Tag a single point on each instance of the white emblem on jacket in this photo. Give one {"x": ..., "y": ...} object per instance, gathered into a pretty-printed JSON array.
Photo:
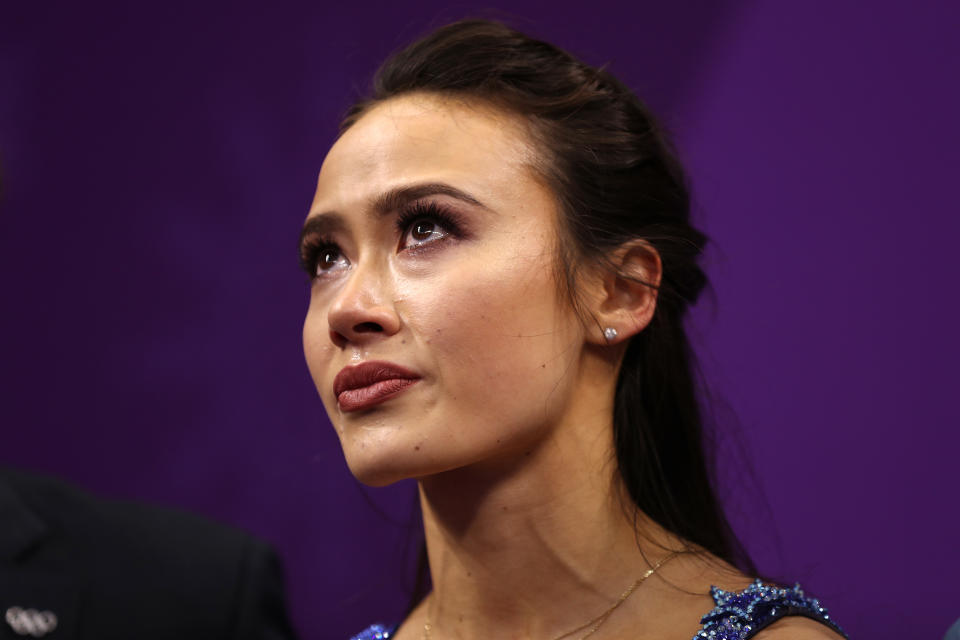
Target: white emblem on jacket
[{"x": 30, "y": 622}]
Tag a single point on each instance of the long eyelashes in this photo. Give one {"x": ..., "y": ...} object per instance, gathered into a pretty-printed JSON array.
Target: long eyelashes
[
  {"x": 321, "y": 248},
  {"x": 428, "y": 211},
  {"x": 311, "y": 250}
]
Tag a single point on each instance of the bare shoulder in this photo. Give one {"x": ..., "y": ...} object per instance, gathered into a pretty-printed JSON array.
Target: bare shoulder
[
  {"x": 798, "y": 628},
  {"x": 412, "y": 626}
]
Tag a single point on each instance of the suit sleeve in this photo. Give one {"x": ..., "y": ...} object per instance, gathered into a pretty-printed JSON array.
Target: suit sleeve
[{"x": 259, "y": 606}]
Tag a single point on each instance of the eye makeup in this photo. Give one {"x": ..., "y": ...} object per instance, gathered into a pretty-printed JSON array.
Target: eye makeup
[
  {"x": 430, "y": 211},
  {"x": 316, "y": 245},
  {"x": 312, "y": 248}
]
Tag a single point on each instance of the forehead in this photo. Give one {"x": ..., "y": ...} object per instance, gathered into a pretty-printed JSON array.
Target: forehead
[{"x": 426, "y": 138}]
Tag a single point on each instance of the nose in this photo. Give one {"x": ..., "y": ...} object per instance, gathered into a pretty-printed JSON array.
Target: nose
[{"x": 363, "y": 309}]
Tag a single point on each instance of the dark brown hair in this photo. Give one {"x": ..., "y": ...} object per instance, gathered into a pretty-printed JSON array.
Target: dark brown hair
[{"x": 617, "y": 180}]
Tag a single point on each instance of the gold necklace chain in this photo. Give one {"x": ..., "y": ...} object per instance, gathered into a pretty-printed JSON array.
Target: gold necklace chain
[{"x": 594, "y": 623}]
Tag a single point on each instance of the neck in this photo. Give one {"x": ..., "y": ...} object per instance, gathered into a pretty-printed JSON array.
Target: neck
[{"x": 533, "y": 545}]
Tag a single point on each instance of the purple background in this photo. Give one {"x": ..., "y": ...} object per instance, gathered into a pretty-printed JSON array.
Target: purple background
[{"x": 158, "y": 160}]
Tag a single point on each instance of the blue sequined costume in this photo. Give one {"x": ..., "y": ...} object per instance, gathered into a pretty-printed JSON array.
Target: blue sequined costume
[
  {"x": 738, "y": 615},
  {"x": 741, "y": 614}
]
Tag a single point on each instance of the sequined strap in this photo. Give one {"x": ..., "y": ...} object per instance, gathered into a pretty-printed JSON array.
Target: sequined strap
[
  {"x": 375, "y": 632},
  {"x": 741, "y": 614}
]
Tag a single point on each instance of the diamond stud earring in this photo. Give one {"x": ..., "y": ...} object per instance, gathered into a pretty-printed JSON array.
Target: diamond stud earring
[{"x": 610, "y": 334}]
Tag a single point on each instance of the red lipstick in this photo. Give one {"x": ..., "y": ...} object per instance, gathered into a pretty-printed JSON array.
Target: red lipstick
[{"x": 370, "y": 383}]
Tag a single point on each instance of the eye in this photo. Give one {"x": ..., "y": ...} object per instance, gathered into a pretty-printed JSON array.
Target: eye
[
  {"x": 423, "y": 231},
  {"x": 330, "y": 259},
  {"x": 425, "y": 223},
  {"x": 321, "y": 258}
]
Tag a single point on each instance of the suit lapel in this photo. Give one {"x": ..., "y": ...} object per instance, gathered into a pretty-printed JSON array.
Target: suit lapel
[
  {"x": 34, "y": 603},
  {"x": 20, "y": 528}
]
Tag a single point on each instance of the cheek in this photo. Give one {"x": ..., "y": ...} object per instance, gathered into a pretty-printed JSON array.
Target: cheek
[
  {"x": 317, "y": 349},
  {"x": 501, "y": 344}
]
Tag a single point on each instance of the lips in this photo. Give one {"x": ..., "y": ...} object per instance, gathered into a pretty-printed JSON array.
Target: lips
[{"x": 370, "y": 383}]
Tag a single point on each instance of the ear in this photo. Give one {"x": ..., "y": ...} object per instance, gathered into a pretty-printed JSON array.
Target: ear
[{"x": 627, "y": 295}]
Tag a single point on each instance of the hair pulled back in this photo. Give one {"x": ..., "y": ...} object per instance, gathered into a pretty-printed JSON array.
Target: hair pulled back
[{"x": 616, "y": 180}]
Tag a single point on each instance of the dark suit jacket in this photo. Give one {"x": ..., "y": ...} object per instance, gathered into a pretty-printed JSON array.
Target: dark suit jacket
[{"x": 110, "y": 569}]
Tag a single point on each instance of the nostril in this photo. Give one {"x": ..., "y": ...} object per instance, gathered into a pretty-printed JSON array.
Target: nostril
[
  {"x": 367, "y": 327},
  {"x": 338, "y": 339}
]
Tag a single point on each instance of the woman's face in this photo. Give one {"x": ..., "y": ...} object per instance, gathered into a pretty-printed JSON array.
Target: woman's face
[{"x": 435, "y": 334}]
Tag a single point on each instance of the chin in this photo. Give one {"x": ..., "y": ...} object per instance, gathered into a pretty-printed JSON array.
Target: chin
[
  {"x": 380, "y": 461},
  {"x": 375, "y": 473}
]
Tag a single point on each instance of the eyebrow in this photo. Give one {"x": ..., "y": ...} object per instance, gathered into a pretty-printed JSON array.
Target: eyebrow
[
  {"x": 401, "y": 196},
  {"x": 385, "y": 203}
]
